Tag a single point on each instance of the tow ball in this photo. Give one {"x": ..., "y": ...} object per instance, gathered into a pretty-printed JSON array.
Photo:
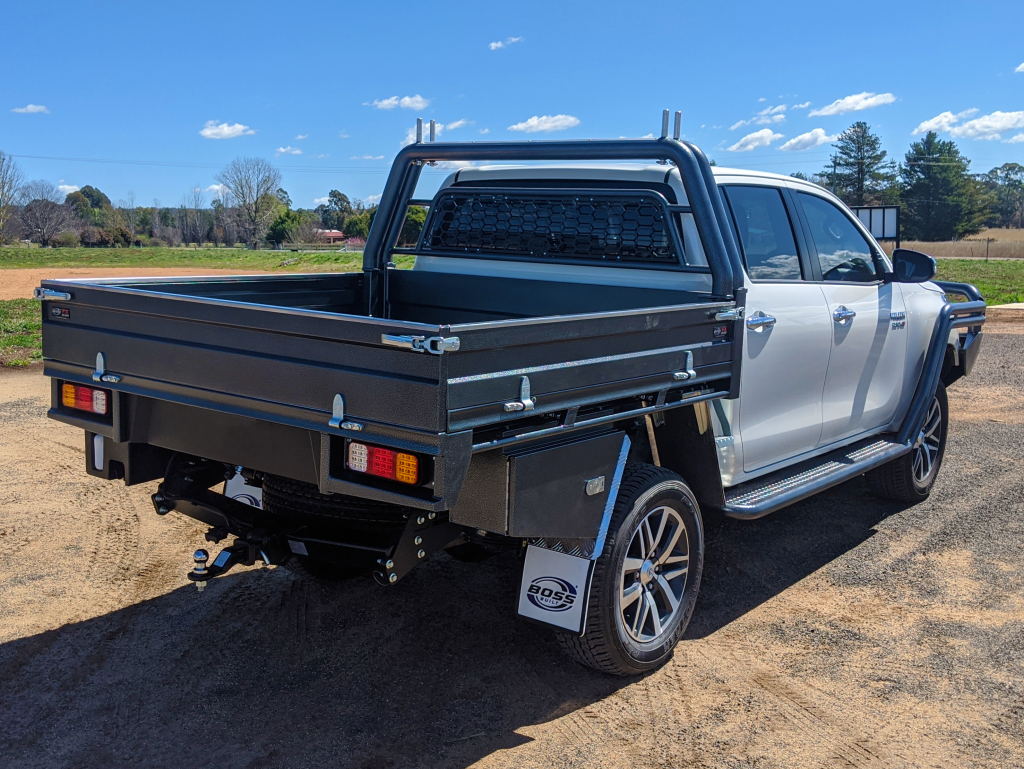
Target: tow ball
[{"x": 241, "y": 552}]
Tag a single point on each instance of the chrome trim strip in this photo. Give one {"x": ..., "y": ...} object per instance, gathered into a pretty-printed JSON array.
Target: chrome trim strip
[
  {"x": 609, "y": 505},
  {"x": 483, "y": 326},
  {"x": 574, "y": 363}
]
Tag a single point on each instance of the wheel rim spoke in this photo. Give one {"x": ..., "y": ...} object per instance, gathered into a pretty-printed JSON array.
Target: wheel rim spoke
[
  {"x": 641, "y": 616},
  {"x": 629, "y": 596},
  {"x": 666, "y": 592},
  {"x": 631, "y": 565},
  {"x": 675, "y": 574},
  {"x": 655, "y": 616},
  {"x": 666, "y": 552}
]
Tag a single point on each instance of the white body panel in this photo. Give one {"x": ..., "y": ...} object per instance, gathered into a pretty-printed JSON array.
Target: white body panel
[
  {"x": 782, "y": 373},
  {"x": 865, "y": 369}
]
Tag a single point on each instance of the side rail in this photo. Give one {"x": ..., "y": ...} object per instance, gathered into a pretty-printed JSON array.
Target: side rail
[{"x": 970, "y": 315}]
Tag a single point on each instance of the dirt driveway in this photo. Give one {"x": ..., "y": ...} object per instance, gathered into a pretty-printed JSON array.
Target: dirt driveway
[
  {"x": 18, "y": 284},
  {"x": 842, "y": 632}
]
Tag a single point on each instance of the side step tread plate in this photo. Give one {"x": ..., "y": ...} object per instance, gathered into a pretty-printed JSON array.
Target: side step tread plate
[{"x": 791, "y": 484}]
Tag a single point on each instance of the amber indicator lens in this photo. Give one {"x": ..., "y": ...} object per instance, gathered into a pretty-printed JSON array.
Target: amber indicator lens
[
  {"x": 383, "y": 463},
  {"x": 84, "y": 398}
]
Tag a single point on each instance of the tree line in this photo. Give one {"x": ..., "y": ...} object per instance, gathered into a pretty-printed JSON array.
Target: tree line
[
  {"x": 251, "y": 209},
  {"x": 941, "y": 198}
]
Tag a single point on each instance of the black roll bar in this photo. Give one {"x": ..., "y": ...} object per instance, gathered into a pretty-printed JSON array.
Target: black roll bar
[{"x": 698, "y": 180}]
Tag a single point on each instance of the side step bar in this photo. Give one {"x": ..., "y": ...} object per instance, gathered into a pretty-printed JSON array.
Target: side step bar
[{"x": 792, "y": 484}]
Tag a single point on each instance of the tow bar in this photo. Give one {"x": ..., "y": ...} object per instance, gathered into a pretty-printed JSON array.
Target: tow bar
[{"x": 242, "y": 552}]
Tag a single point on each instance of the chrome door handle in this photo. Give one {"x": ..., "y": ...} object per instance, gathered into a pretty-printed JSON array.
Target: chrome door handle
[
  {"x": 759, "y": 321},
  {"x": 841, "y": 314}
]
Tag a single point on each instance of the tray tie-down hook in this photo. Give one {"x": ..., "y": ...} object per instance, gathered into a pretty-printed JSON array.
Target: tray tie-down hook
[{"x": 525, "y": 402}]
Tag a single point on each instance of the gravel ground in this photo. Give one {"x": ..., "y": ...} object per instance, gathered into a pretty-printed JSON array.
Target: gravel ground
[{"x": 841, "y": 632}]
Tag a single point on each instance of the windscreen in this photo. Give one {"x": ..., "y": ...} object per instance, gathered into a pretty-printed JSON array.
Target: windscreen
[{"x": 546, "y": 225}]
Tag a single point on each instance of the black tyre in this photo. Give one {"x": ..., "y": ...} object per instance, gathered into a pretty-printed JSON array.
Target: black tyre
[
  {"x": 645, "y": 582},
  {"x": 910, "y": 477}
]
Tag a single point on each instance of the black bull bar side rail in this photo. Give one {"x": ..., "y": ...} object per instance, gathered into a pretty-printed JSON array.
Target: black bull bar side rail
[{"x": 698, "y": 180}]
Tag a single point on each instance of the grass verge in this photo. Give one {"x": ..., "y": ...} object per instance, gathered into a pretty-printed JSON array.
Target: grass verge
[
  {"x": 21, "y": 332},
  {"x": 213, "y": 258},
  {"x": 999, "y": 282}
]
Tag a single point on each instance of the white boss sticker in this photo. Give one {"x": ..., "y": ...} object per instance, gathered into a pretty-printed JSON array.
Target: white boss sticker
[
  {"x": 240, "y": 490},
  {"x": 554, "y": 588}
]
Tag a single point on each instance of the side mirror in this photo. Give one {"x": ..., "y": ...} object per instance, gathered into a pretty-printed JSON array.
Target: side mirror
[{"x": 913, "y": 266}]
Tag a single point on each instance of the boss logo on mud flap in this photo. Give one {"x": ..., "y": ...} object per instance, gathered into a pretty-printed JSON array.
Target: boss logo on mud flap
[
  {"x": 551, "y": 594},
  {"x": 899, "y": 319},
  {"x": 60, "y": 312}
]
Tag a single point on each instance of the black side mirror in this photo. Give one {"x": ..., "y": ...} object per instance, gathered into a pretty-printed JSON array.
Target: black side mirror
[{"x": 913, "y": 266}]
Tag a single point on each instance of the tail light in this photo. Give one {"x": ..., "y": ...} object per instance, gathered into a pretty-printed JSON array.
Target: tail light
[
  {"x": 84, "y": 398},
  {"x": 383, "y": 463}
]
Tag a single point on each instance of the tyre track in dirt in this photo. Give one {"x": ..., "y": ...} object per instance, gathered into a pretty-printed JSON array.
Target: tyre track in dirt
[{"x": 842, "y": 632}]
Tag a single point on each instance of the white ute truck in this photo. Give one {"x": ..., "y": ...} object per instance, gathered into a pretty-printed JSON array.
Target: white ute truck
[{"x": 593, "y": 346}]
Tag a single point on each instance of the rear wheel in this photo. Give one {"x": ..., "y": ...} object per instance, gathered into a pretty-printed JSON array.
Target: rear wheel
[
  {"x": 910, "y": 477},
  {"x": 645, "y": 583}
]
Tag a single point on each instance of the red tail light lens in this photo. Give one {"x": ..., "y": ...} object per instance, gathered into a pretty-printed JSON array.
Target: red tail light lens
[
  {"x": 383, "y": 463},
  {"x": 85, "y": 398}
]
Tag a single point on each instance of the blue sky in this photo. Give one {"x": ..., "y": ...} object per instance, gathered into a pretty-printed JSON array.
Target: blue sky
[{"x": 313, "y": 86}]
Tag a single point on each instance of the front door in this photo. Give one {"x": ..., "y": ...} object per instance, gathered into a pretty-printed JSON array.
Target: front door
[
  {"x": 787, "y": 336},
  {"x": 865, "y": 369}
]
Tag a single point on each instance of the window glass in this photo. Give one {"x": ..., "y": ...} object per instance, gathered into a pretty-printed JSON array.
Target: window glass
[
  {"x": 765, "y": 234},
  {"x": 844, "y": 254}
]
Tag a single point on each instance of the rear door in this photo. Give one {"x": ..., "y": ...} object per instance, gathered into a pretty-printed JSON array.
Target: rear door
[
  {"x": 865, "y": 370},
  {"x": 787, "y": 337}
]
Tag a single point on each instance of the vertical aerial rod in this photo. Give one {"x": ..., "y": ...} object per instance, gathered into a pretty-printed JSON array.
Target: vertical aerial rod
[
  {"x": 419, "y": 130},
  {"x": 679, "y": 124},
  {"x": 433, "y": 128},
  {"x": 664, "y": 124}
]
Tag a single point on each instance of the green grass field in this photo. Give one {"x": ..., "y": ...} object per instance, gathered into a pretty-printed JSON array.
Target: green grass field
[
  {"x": 1000, "y": 282},
  {"x": 222, "y": 258}
]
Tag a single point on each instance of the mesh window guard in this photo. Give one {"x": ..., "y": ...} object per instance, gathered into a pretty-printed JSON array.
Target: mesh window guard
[{"x": 560, "y": 226}]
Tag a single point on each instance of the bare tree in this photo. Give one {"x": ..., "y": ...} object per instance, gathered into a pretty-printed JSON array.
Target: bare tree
[
  {"x": 129, "y": 212},
  {"x": 44, "y": 214},
  {"x": 306, "y": 231},
  {"x": 252, "y": 183},
  {"x": 192, "y": 216},
  {"x": 10, "y": 183}
]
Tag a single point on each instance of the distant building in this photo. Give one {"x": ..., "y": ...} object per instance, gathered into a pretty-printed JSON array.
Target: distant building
[{"x": 331, "y": 236}]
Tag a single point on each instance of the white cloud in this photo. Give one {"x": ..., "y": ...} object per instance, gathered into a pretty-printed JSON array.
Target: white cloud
[
  {"x": 485, "y": 130},
  {"x": 767, "y": 116},
  {"x": 761, "y": 138},
  {"x": 989, "y": 127},
  {"x": 809, "y": 140},
  {"x": 1020, "y": 68},
  {"x": 215, "y": 130},
  {"x": 1018, "y": 139},
  {"x": 372, "y": 200},
  {"x": 546, "y": 124},
  {"x": 318, "y": 157},
  {"x": 805, "y": 105},
  {"x": 416, "y": 102},
  {"x": 343, "y": 134},
  {"x": 321, "y": 201},
  {"x": 942, "y": 122},
  {"x": 32, "y": 109},
  {"x": 367, "y": 157},
  {"x": 289, "y": 150},
  {"x": 854, "y": 103},
  {"x": 67, "y": 189},
  {"x": 217, "y": 190},
  {"x": 505, "y": 43},
  {"x": 457, "y": 124},
  {"x": 300, "y": 137}
]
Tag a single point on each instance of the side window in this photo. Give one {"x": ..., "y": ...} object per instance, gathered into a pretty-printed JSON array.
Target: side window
[
  {"x": 765, "y": 233},
  {"x": 844, "y": 254}
]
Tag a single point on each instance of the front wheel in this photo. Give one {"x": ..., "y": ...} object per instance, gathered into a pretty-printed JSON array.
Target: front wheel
[
  {"x": 910, "y": 478},
  {"x": 646, "y": 580}
]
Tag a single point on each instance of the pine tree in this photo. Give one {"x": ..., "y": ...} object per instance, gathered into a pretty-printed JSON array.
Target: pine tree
[
  {"x": 942, "y": 201},
  {"x": 858, "y": 171}
]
